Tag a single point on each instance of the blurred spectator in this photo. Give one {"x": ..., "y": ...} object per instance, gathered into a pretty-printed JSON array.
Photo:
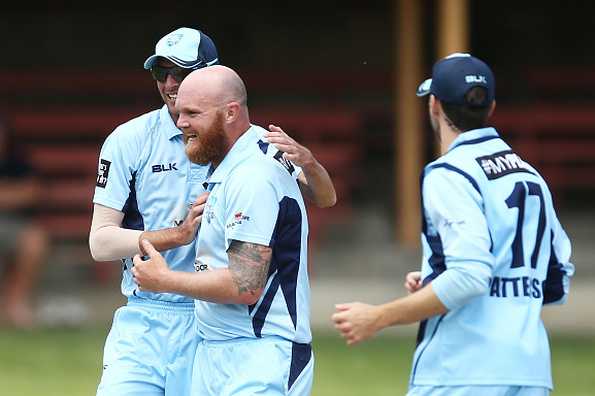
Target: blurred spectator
[{"x": 23, "y": 243}]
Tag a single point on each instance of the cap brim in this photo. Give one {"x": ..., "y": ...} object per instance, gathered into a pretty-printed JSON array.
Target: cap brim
[
  {"x": 153, "y": 58},
  {"x": 150, "y": 60},
  {"x": 178, "y": 62},
  {"x": 424, "y": 88}
]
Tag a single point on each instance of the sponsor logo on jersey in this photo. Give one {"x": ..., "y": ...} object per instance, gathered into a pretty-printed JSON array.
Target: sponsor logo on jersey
[
  {"x": 102, "y": 173},
  {"x": 199, "y": 267},
  {"x": 163, "y": 168},
  {"x": 283, "y": 161},
  {"x": 238, "y": 218},
  {"x": 452, "y": 223},
  {"x": 209, "y": 213},
  {"x": 502, "y": 164}
]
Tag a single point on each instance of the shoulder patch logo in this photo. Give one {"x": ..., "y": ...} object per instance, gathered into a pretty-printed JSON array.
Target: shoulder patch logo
[
  {"x": 501, "y": 164},
  {"x": 102, "y": 173},
  {"x": 286, "y": 163},
  {"x": 238, "y": 218}
]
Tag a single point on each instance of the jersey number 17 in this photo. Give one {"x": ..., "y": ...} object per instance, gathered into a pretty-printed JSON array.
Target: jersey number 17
[{"x": 517, "y": 199}]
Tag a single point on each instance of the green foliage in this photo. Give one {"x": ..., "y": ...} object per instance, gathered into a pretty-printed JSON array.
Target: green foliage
[{"x": 68, "y": 362}]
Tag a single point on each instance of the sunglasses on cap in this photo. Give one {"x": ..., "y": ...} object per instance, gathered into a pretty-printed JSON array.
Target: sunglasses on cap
[{"x": 178, "y": 73}]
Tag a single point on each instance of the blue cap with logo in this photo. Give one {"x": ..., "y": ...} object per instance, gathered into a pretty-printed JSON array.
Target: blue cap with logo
[
  {"x": 455, "y": 75},
  {"x": 187, "y": 48}
]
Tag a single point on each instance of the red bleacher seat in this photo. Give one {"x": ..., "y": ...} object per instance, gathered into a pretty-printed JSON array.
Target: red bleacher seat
[
  {"x": 74, "y": 159},
  {"x": 310, "y": 125},
  {"x": 69, "y": 168},
  {"x": 70, "y": 122},
  {"x": 71, "y": 226},
  {"x": 64, "y": 124},
  {"x": 558, "y": 140},
  {"x": 333, "y": 135}
]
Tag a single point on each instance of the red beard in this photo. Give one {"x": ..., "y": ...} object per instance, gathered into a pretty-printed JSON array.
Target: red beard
[{"x": 209, "y": 145}]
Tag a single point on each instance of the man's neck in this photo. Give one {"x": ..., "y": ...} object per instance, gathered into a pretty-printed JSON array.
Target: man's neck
[{"x": 447, "y": 136}]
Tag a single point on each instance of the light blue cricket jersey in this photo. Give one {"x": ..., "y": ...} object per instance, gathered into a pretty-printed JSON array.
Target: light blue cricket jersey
[
  {"x": 144, "y": 172},
  {"x": 255, "y": 198},
  {"x": 488, "y": 219}
]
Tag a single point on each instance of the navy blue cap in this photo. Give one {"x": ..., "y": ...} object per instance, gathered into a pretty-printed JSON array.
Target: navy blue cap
[
  {"x": 187, "y": 48},
  {"x": 455, "y": 75}
]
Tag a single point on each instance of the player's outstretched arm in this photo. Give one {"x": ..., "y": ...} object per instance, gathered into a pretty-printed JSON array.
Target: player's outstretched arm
[
  {"x": 241, "y": 283},
  {"x": 357, "y": 322},
  {"x": 315, "y": 182},
  {"x": 109, "y": 241}
]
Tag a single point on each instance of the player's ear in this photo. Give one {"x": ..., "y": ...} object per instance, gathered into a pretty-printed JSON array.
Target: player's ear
[
  {"x": 232, "y": 111},
  {"x": 492, "y": 108},
  {"x": 434, "y": 106}
]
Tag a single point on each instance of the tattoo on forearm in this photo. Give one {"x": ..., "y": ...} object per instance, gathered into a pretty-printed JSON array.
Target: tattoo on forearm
[{"x": 249, "y": 265}]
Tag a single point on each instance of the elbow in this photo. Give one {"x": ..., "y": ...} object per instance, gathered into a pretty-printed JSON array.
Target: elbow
[
  {"x": 483, "y": 289},
  {"x": 479, "y": 283},
  {"x": 249, "y": 298},
  {"x": 328, "y": 201},
  {"x": 458, "y": 286},
  {"x": 96, "y": 252}
]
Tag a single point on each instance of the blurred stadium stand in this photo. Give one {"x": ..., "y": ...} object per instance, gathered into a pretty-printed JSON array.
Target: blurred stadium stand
[
  {"x": 324, "y": 76},
  {"x": 559, "y": 140},
  {"x": 62, "y": 127},
  {"x": 64, "y": 120}
]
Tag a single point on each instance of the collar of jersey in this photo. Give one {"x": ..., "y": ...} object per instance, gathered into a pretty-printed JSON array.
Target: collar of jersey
[
  {"x": 240, "y": 150},
  {"x": 474, "y": 136},
  {"x": 167, "y": 124}
]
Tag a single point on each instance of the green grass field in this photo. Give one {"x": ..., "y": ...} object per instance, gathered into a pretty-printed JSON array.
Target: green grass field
[{"x": 68, "y": 361}]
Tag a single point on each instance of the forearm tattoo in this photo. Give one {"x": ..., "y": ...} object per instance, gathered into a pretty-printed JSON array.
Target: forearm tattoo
[{"x": 249, "y": 265}]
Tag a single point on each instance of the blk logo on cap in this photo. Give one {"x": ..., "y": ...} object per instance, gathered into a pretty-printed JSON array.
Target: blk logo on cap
[{"x": 475, "y": 79}]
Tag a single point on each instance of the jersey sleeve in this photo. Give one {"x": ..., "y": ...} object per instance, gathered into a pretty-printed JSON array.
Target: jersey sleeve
[
  {"x": 251, "y": 208},
  {"x": 277, "y": 155},
  {"x": 271, "y": 151},
  {"x": 118, "y": 162},
  {"x": 557, "y": 283},
  {"x": 296, "y": 172},
  {"x": 453, "y": 206}
]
